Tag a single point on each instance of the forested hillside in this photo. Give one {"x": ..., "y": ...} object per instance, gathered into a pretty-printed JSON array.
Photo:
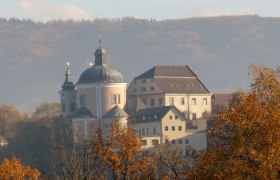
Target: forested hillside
[{"x": 219, "y": 50}]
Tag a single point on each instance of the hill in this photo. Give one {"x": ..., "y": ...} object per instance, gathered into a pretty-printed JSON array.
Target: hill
[{"x": 219, "y": 50}]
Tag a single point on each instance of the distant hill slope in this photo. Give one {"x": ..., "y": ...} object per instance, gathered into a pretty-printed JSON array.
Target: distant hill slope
[{"x": 219, "y": 50}]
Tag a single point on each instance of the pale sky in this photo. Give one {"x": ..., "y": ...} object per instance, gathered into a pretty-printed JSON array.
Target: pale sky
[{"x": 43, "y": 10}]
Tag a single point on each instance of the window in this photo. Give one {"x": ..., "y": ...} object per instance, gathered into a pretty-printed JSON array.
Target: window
[
  {"x": 166, "y": 128},
  {"x": 63, "y": 107},
  {"x": 204, "y": 101},
  {"x": 106, "y": 126},
  {"x": 139, "y": 131},
  {"x": 176, "y": 117},
  {"x": 155, "y": 130},
  {"x": 193, "y": 101},
  {"x": 143, "y": 89},
  {"x": 182, "y": 101},
  {"x": 143, "y": 81},
  {"x": 193, "y": 115},
  {"x": 82, "y": 100},
  {"x": 166, "y": 141},
  {"x": 116, "y": 99},
  {"x": 147, "y": 131},
  {"x": 171, "y": 101},
  {"x": 173, "y": 141},
  {"x": 72, "y": 107},
  {"x": 155, "y": 142},
  {"x": 152, "y": 102},
  {"x": 180, "y": 141},
  {"x": 152, "y": 88},
  {"x": 179, "y": 128},
  {"x": 135, "y": 82},
  {"x": 144, "y": 142},
  {"x": 186, "y": 141},
  {"x": 143, "y": 131},
  {"x": 135, "y": 90},
  {"x": 170, "y": 117},
  {"x": 160, "y": 101},
  {"x": 173, "y": 128},
  {"x": 144, "y": 100}
]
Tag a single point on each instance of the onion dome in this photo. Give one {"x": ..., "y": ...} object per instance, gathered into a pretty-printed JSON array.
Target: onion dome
[
  {"x": 100, "y": 72},
  {"x": 68, "y": 84}
]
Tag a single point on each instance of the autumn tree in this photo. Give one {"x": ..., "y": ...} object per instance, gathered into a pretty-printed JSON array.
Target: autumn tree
[
  {"x": 121, "y": 154},
  {"x": 172, "y": 164},
  {"x": 48, "y": 110},
  {"x": 246, "y": 136},
  {"x": 9, "y": 115},
  {"x": 13, "y": 169},
  {"x": 73, "y": 159}
]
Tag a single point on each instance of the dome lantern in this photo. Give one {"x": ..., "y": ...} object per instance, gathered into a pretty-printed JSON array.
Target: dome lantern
[
  {"x": 100, "y": 72},
  {"x": 100, "y": 55}
]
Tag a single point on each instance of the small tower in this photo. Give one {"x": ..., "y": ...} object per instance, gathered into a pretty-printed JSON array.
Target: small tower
[{"x": 67, "y": 95}]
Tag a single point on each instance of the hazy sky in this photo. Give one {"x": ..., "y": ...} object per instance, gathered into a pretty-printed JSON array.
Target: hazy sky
[{"x": 159, "y": 9}]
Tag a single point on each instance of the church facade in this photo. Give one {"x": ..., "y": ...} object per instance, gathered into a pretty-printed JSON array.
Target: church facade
[
  {"x": 98, "y": 97},
  {"x": 166, "y": 103}
]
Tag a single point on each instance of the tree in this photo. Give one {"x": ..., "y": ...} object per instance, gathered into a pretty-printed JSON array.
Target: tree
[
  {"x": 172, "y": 160},
  {"x": 121, "y": 153},
  {"x": 48, "y": 110},
  {"x": 9, "y": 115},
  {"x": 246, "y": 136},
  {"x": 73, "y": 159},
  {"x": 13, "y": 169}
]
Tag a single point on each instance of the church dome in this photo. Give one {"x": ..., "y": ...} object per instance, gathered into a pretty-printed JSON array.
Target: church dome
[{"x": 100, "y": 72}]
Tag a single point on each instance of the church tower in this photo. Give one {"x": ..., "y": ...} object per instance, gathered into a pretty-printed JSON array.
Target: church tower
[{"x": 67, "y": 95}]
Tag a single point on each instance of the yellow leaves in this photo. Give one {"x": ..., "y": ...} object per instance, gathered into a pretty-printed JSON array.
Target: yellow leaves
[
  {"x": 13, "y": 169},
  {"x": 121, "y": 152},
  {"x": 246, "y": 135}
]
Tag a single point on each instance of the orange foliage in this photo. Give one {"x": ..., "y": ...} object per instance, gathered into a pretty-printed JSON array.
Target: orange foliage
[
  {"x": 13, "y": 169},
  {"x": 121, "y": 152},
  {"x": 246, "y": 136}
]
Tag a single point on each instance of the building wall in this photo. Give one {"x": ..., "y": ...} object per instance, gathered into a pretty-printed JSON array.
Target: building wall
[
  {"x": 149, "y": 134},
  {"x": 188, "y": 108},
  {"x": 67, "y": 98},
  {"x": 99, "y": 96},
  {"x": 178, "y": 138},
  {"x": 83, "y": 128},
  {"x": 105, "y": 124}
]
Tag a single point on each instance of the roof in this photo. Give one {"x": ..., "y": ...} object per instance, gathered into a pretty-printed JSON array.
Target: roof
[
  {"x": 182, "y": 85},
  {"x": 101, "y": 73},
  {"x": 115, "y": 112},
  {"x": 153, "y": 114},
  {"x": 175, "y": 79},
  {"x": 167, "y": 71},
  {"x": 68, "y": 86},
  {"x": 83, "y": 112},
  {"x": 221, "y": 98}
]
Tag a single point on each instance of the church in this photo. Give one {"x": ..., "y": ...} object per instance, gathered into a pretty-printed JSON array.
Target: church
[
  {"x": 98, "y": 97},
  {"x": 165, "y": 103}
]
